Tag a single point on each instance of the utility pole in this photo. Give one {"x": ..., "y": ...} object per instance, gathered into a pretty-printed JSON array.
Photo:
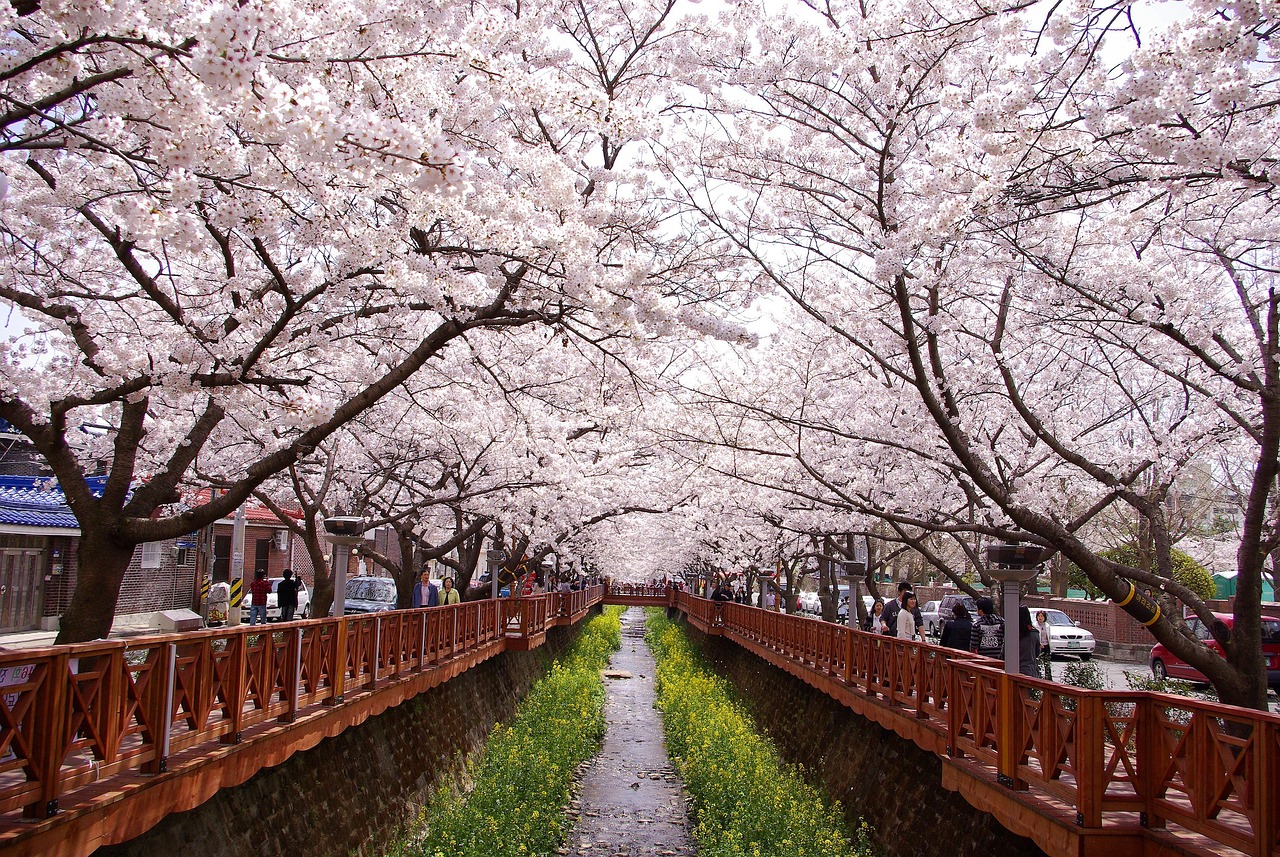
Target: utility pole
[{"x": 237, "y": 567}]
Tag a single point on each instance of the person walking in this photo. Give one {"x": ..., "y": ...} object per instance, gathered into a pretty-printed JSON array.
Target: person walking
[
  {"x": 425, "y": 593},
  {"x": 875, "y": 623},
  {"x": 259, "y": 589},
  {"x": 1028, "y": 644},
  {"x": 287, "y": 595},
  {"x": 449, "y": 595},
  {"x": 893, "y": 605},
  {"x": 906, "y": 622},
  {"x": 987, "y": 637},
  {"x": 958, "y": 630},
  {"x": 1046, "y": 651}
]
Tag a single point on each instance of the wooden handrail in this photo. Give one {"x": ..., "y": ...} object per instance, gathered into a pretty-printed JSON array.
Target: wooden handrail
[
  {"x": 79, "y": 714},
  {"x": 1213, "y": 769}
]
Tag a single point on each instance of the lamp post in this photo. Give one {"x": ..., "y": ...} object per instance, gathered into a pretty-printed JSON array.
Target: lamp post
[
  {"x": 495, "y": 558},
  {"x": 855, "y": 571},
  {"x": 1013, "y": 563},
  {"x": 342, "y": 533}
]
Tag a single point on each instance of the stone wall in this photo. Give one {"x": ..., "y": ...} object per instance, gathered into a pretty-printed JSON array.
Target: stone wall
[
  {"x": 889, "y": 782},
  {"x": 356, "y": 792}
]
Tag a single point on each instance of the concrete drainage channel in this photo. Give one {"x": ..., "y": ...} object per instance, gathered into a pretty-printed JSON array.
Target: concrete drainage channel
[{"x": 630, "y": 802}]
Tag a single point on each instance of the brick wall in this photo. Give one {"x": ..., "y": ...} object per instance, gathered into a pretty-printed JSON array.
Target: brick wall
[
  {"x": 146, "y": 590},
  {"x": 877, "y": 776},
  {"x": 356, "y": 792}
]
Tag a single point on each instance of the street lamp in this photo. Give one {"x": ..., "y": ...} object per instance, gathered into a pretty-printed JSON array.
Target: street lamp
[
  {"x": 342, "y": 534},
  {"x": 855, "y": 571},
  {"x": 1014, "y": 563}
]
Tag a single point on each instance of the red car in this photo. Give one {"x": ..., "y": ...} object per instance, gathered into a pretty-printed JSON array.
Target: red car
[{"x": 1165, "y": 664}]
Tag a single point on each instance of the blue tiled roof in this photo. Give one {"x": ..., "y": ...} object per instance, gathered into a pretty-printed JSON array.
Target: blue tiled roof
[{"x": 38, "y": 501}]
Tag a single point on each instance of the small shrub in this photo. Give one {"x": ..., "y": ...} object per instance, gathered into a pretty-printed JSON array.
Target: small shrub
[
  {"x": 523, "y": 780},
  {"x": 1085, "y": 675},
  {"x": 746, "y": 801}
]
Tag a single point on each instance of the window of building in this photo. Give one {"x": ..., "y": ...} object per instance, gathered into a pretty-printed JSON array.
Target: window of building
[{"x": 151, "y": 553}]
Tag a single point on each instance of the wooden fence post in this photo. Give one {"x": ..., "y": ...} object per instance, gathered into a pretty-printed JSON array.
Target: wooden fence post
[
  {"x": 1008, "y": 753},
  {"x": 293, "y": 675},
  {"x": 1149, "y": 753},
  {"x": 1265, "y": 783},
  {"x": 235, "y": 683},
  {"x": 49, "y": 741},
  {"x": 339, "y": 663},
  {"x": 159, "y": 706},
  {"x": 1089, "y": 749}
]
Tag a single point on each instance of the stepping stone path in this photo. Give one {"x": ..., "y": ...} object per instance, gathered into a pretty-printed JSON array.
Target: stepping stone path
[{"x": 630, "y": 803}]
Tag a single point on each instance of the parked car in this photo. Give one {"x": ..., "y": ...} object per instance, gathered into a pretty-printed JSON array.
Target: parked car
[
  {"x": 809, "y": 602},
  {"x": 370, "y": 595},
  {"x": 1065, "y": 636},
  {"x": 947, "y": 605},
  {"x": 273, "y": 606},
  {"x": 1165, "y": 664},
  {"x": 932, "y": 618}
]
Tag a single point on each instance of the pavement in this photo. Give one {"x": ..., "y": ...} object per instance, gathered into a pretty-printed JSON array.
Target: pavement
[
  {"x": 631, "y": 802},
  {"x": 1113, "y": 674},
  {"x": 124, "y": 625}
]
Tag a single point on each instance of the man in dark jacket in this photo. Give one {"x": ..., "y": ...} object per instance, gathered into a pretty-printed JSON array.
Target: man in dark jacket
[
  {"x": 987, "y": 637},
  {"x": 287, "y": 596},
  {"x": 892, "y": 607}
]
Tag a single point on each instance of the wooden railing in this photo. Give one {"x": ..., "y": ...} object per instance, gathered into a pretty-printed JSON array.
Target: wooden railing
[
  {"x": 80, "y": 714},
  {"x": 573, "y": 603},
  {"x": 1212, "y": 769},
  {"x": 638, "y": 590}
]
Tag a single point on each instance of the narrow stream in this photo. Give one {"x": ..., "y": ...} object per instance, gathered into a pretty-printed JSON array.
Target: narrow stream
[{"x": 631, "y": 803}]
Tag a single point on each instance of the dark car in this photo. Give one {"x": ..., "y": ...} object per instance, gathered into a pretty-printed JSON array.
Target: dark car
[
  {"x": 948, "y": 604},
  {"x": 1165, "y": 664},
  {"x": 370, "y": 595}
]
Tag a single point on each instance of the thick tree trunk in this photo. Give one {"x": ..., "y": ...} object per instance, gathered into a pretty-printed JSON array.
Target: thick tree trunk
[
  {"x": 322, "y": 582},
  {"x": 102, "y": 566},
  {"x": 469, "y": 553}
]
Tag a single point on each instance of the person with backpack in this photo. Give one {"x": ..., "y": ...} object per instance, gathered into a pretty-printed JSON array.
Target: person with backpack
[{"x": 988, "y": 632}]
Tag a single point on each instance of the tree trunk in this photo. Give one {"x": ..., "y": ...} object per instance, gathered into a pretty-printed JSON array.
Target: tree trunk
[
  {"x": 102, "y": 566},
  {"x": 322, "y": 582}
]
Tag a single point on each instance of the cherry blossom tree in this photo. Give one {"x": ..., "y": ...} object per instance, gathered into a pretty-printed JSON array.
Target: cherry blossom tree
[
  {"x": 232, "y": 228},
  {"x": 1047, "y": 242}
]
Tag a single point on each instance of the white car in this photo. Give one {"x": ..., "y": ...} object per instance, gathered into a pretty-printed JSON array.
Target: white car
[
  {"x": 1065, "y": 636},
  {"x": 273, "y": 604},
  {"x": 932, "y": 618},
  {"x": 809, "y": 602}
]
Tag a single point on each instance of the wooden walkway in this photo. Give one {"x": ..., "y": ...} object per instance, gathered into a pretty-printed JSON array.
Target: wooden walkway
[
  {"x": 100, "y": 741},
  {"x": 1081, "y": 773}
]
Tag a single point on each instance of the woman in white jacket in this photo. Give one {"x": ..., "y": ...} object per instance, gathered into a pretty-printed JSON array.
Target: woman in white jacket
[{"x": 907, "y": 619}]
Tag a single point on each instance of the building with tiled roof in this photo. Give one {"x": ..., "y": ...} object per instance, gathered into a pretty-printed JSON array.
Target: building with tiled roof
[
  {"x": 40, "y": 537},
  {"x": 36, "y": 505}
]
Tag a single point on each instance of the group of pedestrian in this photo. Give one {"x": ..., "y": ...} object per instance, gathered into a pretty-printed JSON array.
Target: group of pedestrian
[
  {"x": 286, "y": 596},
  {"x": 900, "y": 617},
  {"x": 984, "y": 635},
  {"x": 427, "y": 594}
]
